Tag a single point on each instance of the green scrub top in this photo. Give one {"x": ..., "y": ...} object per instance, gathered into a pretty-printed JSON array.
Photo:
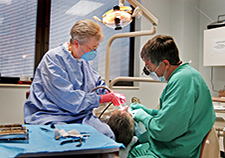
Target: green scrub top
[{"x": 185, "y": 116}]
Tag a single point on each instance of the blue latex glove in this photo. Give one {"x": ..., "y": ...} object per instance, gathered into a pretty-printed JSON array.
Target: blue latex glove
[
  {"x": 139, "y": 115},
  {"x": 135, "y": 106}
]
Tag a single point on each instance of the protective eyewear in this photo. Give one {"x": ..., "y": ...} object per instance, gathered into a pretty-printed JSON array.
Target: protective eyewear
[
  {"x": 95, "y": 48},
  {"x": 147, "y": 70}
]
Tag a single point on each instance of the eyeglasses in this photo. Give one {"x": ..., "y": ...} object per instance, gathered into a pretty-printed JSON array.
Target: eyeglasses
[
  {"x": 95, "y": 48},
  {"x": 149, "y": 69}
]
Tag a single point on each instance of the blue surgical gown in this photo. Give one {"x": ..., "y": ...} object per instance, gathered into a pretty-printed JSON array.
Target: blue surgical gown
[
  {"x": 185, "y": 116},
  {"x": 61, "y": 91}
]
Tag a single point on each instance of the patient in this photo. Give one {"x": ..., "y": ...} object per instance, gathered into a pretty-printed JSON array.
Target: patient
[{"x": 122, "y": 124}]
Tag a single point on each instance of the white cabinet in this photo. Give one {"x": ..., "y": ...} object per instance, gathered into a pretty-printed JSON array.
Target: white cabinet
[{"x": 214, "y": 47}]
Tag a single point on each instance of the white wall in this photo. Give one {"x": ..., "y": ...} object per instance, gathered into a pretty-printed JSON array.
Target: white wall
[
  {"x": 176, "y": 21},
  {"x": 211, "y": 8},
  {"x": 178, "y": 18},
  {"x": 185, "y": 23},
  {"x": 12, "y": 99}
]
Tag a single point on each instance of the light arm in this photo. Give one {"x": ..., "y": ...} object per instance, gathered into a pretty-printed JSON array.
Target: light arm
[{"x": 148, "y": 16}]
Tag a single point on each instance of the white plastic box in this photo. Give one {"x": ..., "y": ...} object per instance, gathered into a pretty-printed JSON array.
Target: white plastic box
[{"x": 214, "y": 47}]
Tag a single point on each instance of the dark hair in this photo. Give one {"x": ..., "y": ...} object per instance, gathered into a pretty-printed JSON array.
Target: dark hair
[
  {"x": 122, "y": 124},
  {"x": 159, "y": 48}
]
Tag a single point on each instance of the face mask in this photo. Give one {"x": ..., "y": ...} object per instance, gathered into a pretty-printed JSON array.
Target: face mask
[
  {"x": 89, "y": 55},
  {"x": 155, "y": 77},
  {"x": 162, "y": 79}
]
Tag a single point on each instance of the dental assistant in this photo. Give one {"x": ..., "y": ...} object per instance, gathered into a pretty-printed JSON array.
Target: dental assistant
[
  {"x": 186, "y": 112},
  {"x": 61, "y": 91}
]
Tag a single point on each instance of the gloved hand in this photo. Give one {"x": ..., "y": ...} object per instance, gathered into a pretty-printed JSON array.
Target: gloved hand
[
  {"x": 116, "y": 98},
  {"x": 134, "y": 106},
  {"x": 139, "y": 115}
]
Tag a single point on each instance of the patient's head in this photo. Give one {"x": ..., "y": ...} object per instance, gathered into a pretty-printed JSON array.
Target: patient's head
[{"x": 122, "y": 124}]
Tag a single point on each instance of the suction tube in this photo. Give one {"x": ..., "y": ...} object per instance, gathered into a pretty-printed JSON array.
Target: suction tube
[{"x": 108, "y": 104}]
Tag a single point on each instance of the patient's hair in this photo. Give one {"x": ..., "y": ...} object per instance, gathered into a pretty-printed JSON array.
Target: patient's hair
[{"x": 123, "y": 126}]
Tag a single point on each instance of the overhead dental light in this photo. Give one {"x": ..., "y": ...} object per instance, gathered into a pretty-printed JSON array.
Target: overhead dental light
[{"x": 118, "y": 17}]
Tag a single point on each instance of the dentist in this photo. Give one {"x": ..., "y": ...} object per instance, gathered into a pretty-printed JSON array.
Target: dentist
[
  {"x": 61, "y": 91},
  {"x": 186, "y": 112}
]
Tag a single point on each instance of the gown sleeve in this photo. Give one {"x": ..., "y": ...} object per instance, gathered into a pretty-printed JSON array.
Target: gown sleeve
[{"x": 68, "y": 86}]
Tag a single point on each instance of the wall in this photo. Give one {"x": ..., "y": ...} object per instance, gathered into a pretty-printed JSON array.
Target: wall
[
  {"x": 178, "y": 18},
  {"x": 212, "y": 8},
  {"x": 12, "y": 99},
  {"x": 185, "y": 23}
]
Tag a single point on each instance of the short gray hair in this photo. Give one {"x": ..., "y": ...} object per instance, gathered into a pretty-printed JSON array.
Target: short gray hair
[{"x": 85, "y": 29}]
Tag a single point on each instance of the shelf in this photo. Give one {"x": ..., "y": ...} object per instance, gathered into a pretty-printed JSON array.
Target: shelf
[{"x": 218, "y": 99}]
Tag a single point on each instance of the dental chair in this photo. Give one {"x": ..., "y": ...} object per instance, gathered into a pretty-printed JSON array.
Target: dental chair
[{"x": 210, "y": 146}]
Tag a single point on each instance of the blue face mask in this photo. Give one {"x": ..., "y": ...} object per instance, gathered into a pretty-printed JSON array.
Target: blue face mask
[
  {"x": 89, "y": 55},
  {"x": 155, "y": 77}
]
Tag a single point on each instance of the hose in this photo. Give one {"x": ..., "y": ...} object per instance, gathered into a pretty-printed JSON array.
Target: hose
[
  {"x": 104, "y": 110},
  {"x": 108, "y": 104},
  {"x": 101, "y": 87}
]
